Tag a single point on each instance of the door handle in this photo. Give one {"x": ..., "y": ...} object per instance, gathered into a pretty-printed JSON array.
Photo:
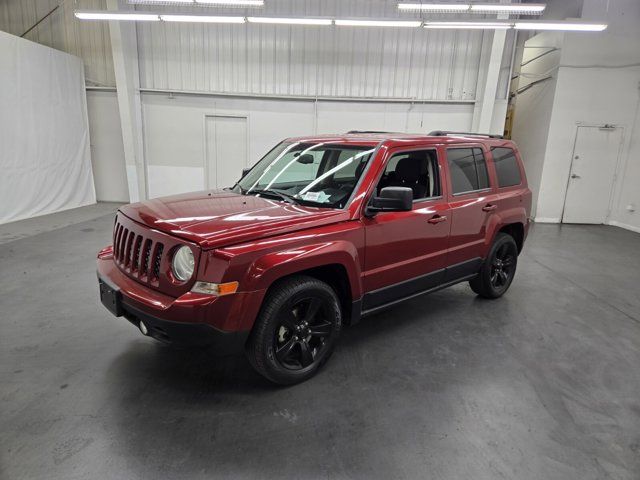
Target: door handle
[
  {"x": 489, "y": 207},
  {"x": 437, "y": 219},
  {"x": 573, "y": 175}
]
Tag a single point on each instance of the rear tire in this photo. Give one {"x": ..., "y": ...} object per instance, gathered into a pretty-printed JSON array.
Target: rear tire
[
  {"x": 498, "y": 269},
  {"x": 296, "y": 330}
]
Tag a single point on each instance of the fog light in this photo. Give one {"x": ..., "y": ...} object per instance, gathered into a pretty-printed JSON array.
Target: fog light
[
  {"x": 143, "y": 328},
  {"x": 217, "y": 289}
]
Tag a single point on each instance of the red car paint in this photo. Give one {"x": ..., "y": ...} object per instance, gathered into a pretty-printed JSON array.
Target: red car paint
[{"x": 257, "y": 241}]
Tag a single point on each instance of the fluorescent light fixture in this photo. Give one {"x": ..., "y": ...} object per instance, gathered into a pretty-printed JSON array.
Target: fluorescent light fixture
[
  {"x": 434, "y": 7},
  {"x": 378, "y": 23},
  {"x": 201, "y": 18},
  {"x": 106, "y": 15},
  {"x": 565, "y": 26},
  {"x": 290, "y": 21},
  {"x": 515, "y": 8},
  {"x": 156, "y": 2},
  {"x": 233, "y": 3},
  {"x": 470, "y": 25}
]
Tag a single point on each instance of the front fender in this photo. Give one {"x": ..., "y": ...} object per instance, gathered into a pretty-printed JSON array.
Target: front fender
[{"x": 274, "y": 265}]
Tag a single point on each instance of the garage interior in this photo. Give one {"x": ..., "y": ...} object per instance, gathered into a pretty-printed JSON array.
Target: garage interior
[{"x": 97, "y": 113}]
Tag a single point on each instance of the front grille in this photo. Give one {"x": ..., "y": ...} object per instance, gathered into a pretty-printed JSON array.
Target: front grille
[
  {"x": 138, "y": 256},
  {"x": 144, "y": 253}
]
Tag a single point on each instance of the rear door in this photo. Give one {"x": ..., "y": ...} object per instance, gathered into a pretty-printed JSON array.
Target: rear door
[
  {"x": 406, "y": 251},
  {"x": 472, "y": 199}
]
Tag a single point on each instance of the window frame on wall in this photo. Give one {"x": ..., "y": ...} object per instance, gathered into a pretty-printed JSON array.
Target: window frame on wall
[{"x": 477, "y": 152}]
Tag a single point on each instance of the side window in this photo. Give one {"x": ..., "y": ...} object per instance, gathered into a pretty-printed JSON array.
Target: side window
[
  {"x": 417, "y": 170},
  {"x": 468, "y": 169},
  {"x": 506, "y": 167}
]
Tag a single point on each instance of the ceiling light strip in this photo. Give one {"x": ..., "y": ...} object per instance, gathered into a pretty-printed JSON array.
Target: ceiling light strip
[
  {"x": 378, "y": 23},
  {"x": 106, "y": 15},
  {"x": 232, "y": 3},
  {"x": 221, "y": 3},
  {"x": 461, "y": 25},
  {"x": 469, "y": 25},
  {"x": 434, "y": 7},
  {"x": 514, "y": 8},
  {"x": 202, "y": 18},
  {"x": 561, "y": 26},
  {"x": 291, "y": 21}
]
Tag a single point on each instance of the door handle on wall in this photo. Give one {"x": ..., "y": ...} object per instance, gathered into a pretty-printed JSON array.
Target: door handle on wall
[
  {"x": 437, "y": 219},
  {"x": 489, "y": 207}
]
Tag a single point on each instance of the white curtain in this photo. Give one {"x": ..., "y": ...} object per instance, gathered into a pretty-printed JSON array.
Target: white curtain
[{"x": 45, "y": 163}]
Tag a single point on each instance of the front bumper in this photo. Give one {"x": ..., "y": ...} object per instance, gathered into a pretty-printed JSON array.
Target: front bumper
[{"x": 192, "y": 319}]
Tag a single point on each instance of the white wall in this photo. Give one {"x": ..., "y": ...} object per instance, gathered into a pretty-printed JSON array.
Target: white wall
[
  {"x": 107, "y": 150},
  {"x": 535, "y": 104},
  {"x": 597, "y": 82},
  {"x": 174, "y": 128}
]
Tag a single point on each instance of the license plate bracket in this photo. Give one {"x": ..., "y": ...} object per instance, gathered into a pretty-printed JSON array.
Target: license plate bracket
[{"x": 111, "y": 298}]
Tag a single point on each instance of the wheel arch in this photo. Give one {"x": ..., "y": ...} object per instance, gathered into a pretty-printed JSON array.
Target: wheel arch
[
  {"x": 335, "y": 263},
  {"x": 516, "y": 231}
]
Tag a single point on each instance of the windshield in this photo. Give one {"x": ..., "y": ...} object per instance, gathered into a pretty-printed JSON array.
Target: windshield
[{"x": 318, "y": 174}]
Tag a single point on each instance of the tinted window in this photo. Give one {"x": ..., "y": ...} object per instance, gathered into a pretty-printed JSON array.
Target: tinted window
[
  {"x": 468, "y": 169},
  {"x": 417, "y": 170},
  {"x": 506, "y": 167}
]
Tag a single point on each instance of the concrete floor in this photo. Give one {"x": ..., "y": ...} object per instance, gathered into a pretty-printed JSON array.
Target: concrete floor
[{"x": 541, "y": 384}]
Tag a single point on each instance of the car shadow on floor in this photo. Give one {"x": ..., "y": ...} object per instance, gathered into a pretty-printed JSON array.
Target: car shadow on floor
[{"x": 202, "y": 370}]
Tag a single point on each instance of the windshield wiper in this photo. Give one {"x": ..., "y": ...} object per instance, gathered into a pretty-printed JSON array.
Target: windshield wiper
[{"x": 275, "y": 193}]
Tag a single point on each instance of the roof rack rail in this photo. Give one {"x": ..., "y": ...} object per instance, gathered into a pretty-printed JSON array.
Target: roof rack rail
[
  {"x": 444, "y": 133},
  {"x": 367, "y": 131}
]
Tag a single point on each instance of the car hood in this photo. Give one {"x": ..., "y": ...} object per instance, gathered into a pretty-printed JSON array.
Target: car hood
[{"x": 220, "y": 218}]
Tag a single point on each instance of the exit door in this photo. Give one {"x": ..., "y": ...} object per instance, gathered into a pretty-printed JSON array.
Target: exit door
[
  {"x": 592, "y": 175},
  {"x": 226, "y": 149}
]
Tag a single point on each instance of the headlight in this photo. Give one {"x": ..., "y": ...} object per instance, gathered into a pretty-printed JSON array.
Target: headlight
[{"x": 183, "y": 264}]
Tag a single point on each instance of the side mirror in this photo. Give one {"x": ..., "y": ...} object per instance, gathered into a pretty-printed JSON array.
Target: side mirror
[
  {"x": 391, "y": 199},
  {"x": 245, "y": 171}
]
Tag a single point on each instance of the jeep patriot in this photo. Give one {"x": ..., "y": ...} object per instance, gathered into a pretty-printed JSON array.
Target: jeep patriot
[{"x": 320, "y": 232}]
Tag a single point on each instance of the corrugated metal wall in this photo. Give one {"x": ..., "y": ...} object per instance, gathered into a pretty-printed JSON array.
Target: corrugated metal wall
[
  {"x": 313, "y": 61},
  {"x": 415, "y": 63},
  {"x": 61, "y": 30}
]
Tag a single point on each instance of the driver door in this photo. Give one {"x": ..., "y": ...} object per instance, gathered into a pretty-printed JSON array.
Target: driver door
[{"x": 406, "y": 250}]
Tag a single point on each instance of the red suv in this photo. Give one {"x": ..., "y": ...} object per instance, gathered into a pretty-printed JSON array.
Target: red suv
[{"x": 320, "y": 232}]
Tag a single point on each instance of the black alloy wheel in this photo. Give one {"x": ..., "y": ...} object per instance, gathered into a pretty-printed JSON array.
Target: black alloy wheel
[
  {"x": 302, "y": 333},
  {"x": 296, "y": 330},
  {"x": 499, "y": 268},
  {"x": 503, "y": 265}
]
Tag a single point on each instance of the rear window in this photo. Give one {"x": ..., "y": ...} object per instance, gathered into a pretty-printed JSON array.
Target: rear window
[
  {"x": 506, "y": 167},
  {"x": 468, "y": 169}
]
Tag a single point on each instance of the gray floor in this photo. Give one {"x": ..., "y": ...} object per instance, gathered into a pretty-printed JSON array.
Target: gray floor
[{"x": 541, "y": 384}]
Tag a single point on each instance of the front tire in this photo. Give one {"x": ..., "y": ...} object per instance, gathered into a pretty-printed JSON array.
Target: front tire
[
  {"x": 296, "y": 330},
  {"x": 498, "y": 269}
]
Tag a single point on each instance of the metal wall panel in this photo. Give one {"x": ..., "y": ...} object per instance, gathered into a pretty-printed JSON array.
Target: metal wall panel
[
  {"x": 61, "y": 30},
  {"x": 307, "y": 60},
  {"x": 415, "y": 63}
]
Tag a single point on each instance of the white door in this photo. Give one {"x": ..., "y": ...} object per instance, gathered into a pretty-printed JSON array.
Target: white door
[
  {"x": 226, "y": 149},
  {"x": 592, "y": 175}
]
